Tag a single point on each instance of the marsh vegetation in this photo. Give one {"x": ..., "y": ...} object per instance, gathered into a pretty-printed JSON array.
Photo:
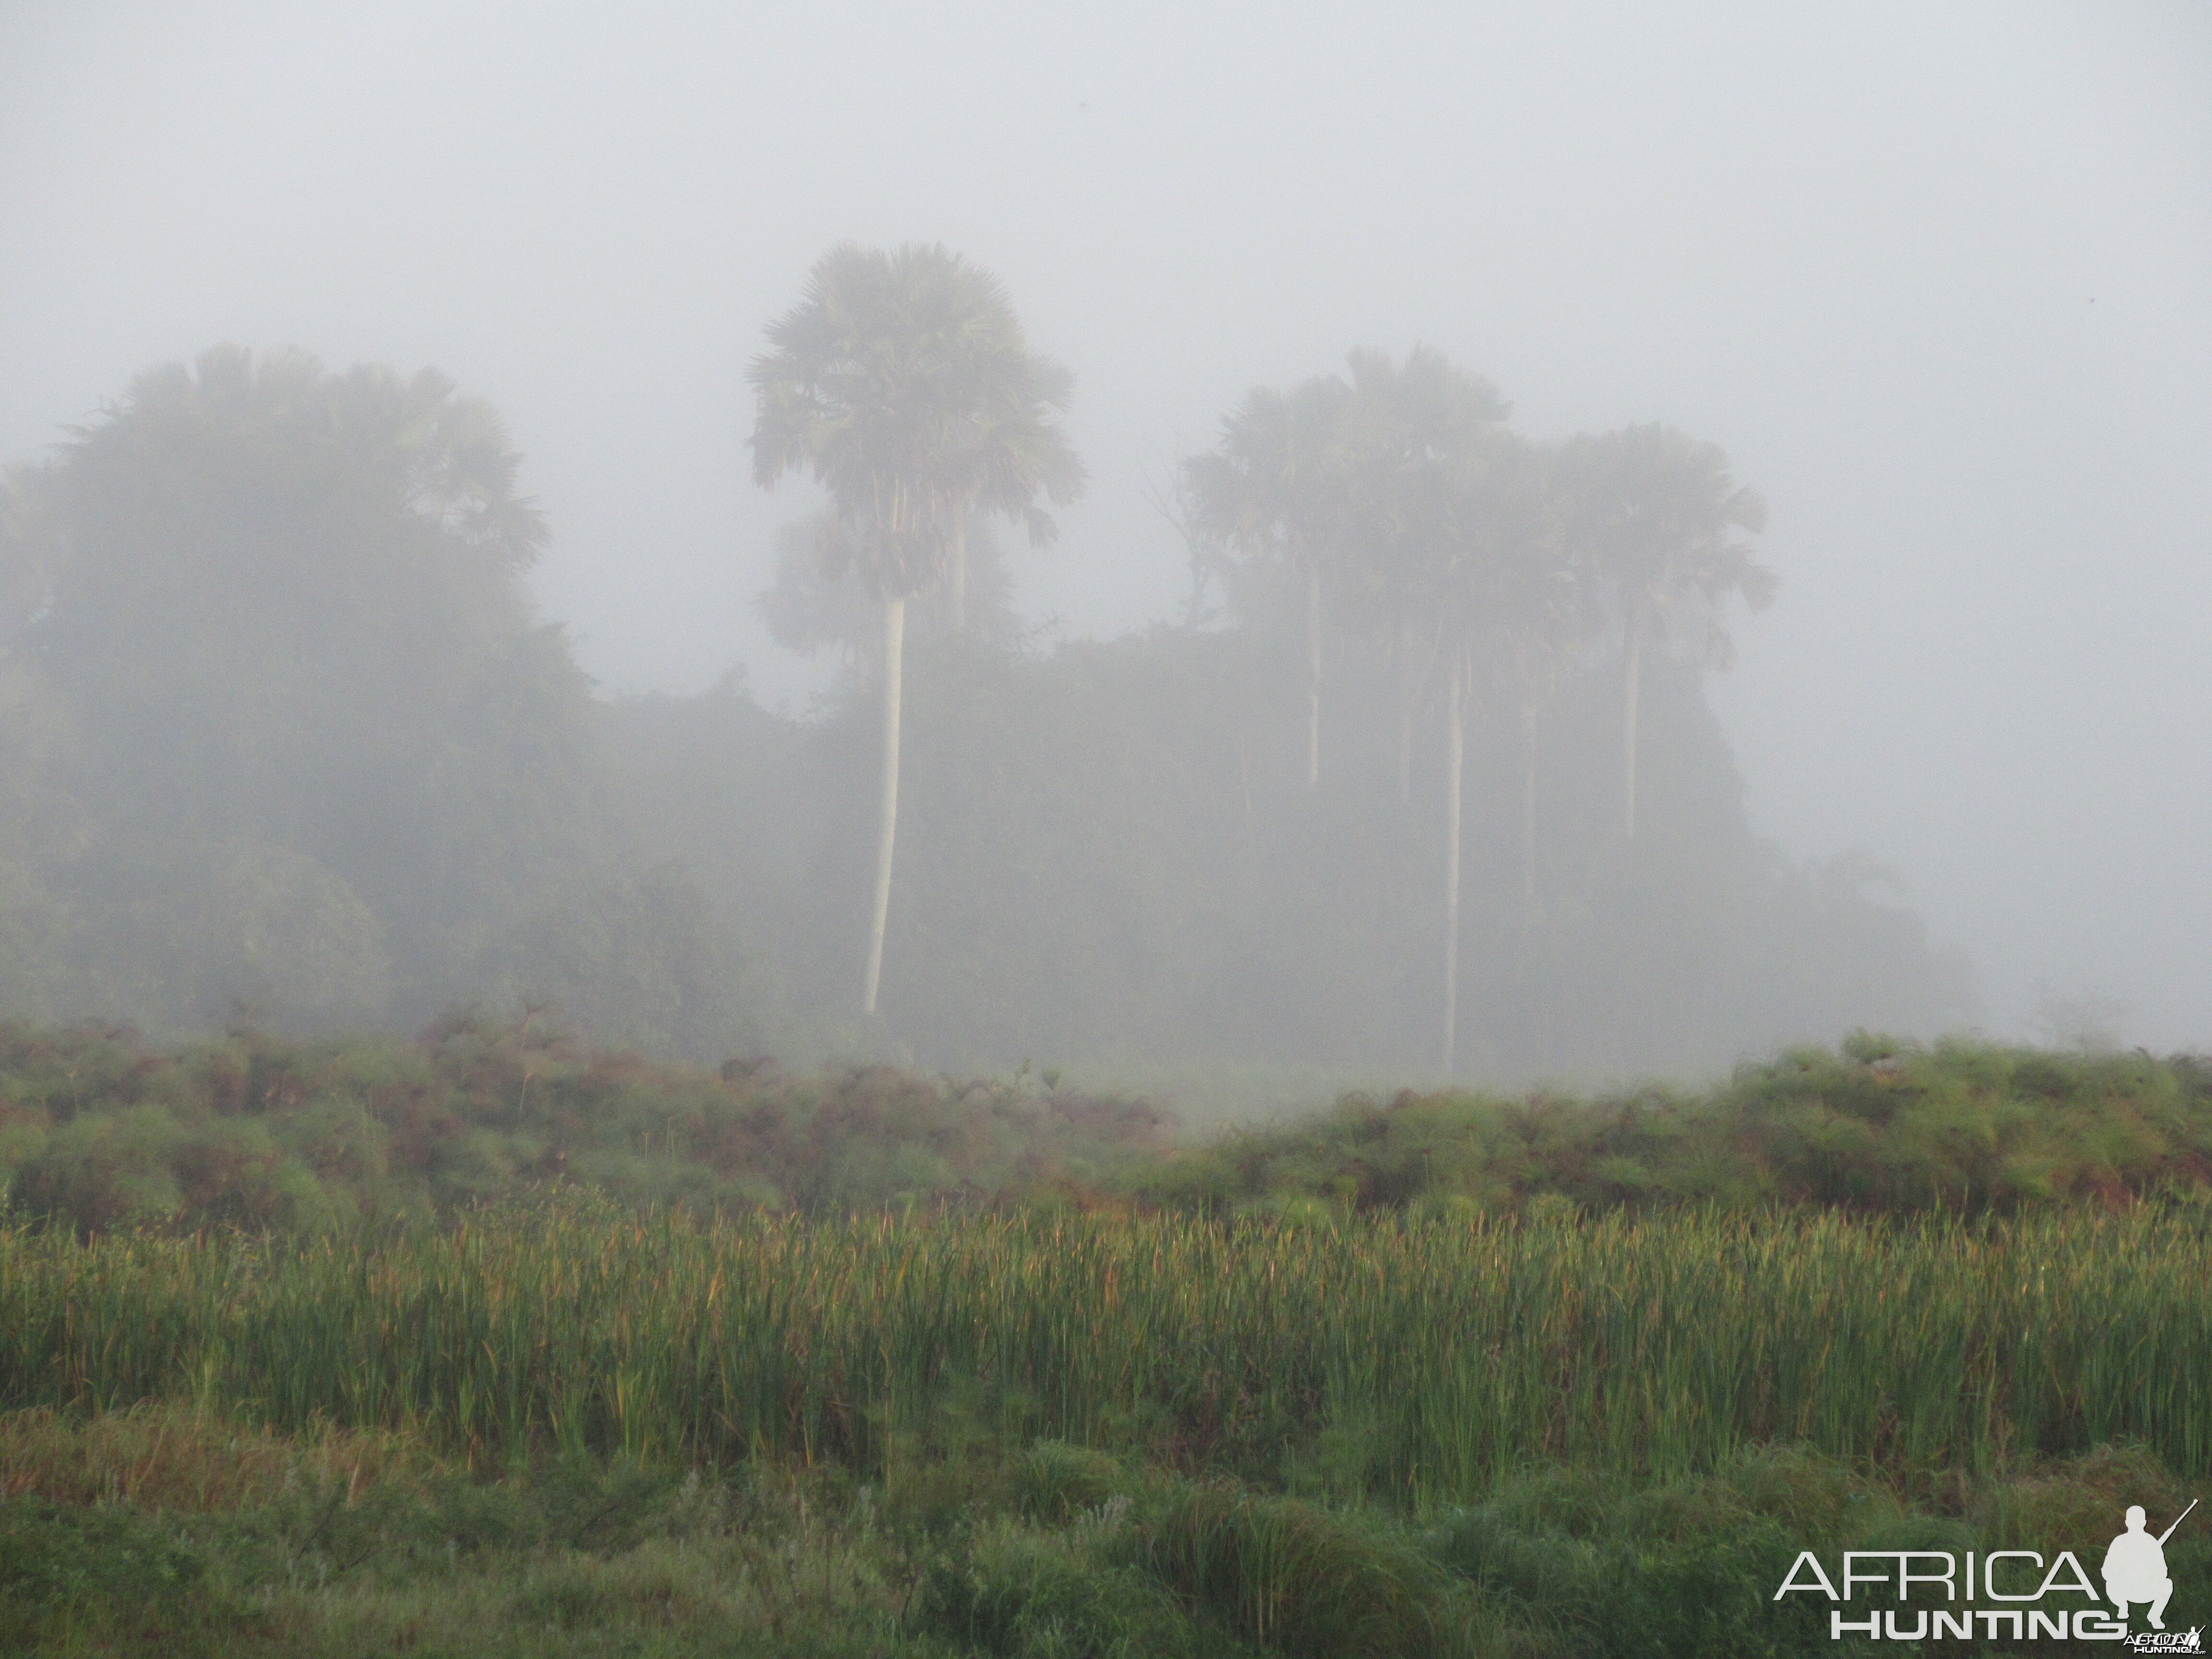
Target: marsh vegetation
[{"x": 1448, "y": 1375}]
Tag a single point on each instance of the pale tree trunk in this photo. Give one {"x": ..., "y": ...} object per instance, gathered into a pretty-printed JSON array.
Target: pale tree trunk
[
  {"x": 887, "y": 820},
  {"x": 1411, "y": 676},
  {"x": 1313, "y": 677},
  {"x": 1406, "y": 749},
  {"x": 1635, "y": 676},
  {"x": 1454, "y": 752},
  {"x": 957, "y": 576},
  {"x": 1527, "y": 813}
]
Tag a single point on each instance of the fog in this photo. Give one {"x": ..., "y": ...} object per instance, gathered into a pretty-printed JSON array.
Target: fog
[{"x": 1940, "y": 282}]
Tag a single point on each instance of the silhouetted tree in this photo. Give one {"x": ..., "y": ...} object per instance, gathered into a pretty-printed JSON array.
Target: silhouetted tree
[
  {"x": 1655, "y": 514},
  {"x": 1400, "y": 430},
  {"x": 1274, "y": 488},
  {"x": 902, "y": 382},
  {"x": 292, "y": 732},
  {"x": 310, "y": 712}
]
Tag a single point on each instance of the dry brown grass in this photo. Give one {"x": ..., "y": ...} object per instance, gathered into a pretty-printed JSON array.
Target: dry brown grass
[{"x": 177, "y": 1457}]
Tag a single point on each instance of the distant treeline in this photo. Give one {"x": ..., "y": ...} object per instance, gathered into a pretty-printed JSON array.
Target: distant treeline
[
  {"x": 103, "y": 1132},
  {"x": 281, "y": 741}
]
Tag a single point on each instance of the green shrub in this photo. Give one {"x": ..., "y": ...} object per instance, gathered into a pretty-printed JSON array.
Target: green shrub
[
  {"x": 104, "y": 1567},
  {"x": 1880, "y": 1125},
  {"x": 1028, "y": 1598},
  {"x": 1289, "y": 1576},
  {"x": 1713, "y": 1598},
  {"x": 103, "y": 1171},
  {"x": 1054, "y": 1482}
]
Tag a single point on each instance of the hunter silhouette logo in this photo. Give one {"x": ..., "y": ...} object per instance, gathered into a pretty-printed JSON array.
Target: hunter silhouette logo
[{"x": 2135, "y": 1566}]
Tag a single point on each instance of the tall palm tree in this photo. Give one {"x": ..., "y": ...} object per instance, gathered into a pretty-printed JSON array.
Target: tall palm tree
[
  {"x": 1446, "y": 519},
  {"x": 902, "y": 381},
  {"x": 1491, "y": 588},
  {"x": 1274, "y": 488},
  {"x": 1545, "y": 618},
  {"x": 1655, "y": 514},
  {"x": 1401, "y": 428}
]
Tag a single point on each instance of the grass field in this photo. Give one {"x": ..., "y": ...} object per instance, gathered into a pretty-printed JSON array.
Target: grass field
[
  {"x": 998, "y": 1418},
  {"x": 1416, "y": 1361}
]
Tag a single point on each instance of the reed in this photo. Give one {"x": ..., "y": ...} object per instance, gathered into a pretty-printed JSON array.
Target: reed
[{"x": 1417, "y": 1362}]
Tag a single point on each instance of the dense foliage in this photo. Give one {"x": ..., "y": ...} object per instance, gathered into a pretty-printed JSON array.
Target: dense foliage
[
  {"x": 280, "y": 731},
  {"x": 255, "y": 1132},
  {"x": 1410, "y": 1364},
  {"x": 1109, "y": 855},
  {"x": 1040, "y": 1435},
  {"x": 1880, "y": 1126},
  {"x": 304, "y": 1136},
  {"x": 1447, "y": 1376},
  {"x": 101, "y": 1130},
  {"x": 164, "y": 1529}
]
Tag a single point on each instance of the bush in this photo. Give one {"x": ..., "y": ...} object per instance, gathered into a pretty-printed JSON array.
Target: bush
[
  {"x": 1289, "y": 1576},
  {"x": 1882, "y": 1126},
  {"x": 1029, "y": 1598},
  {"x": 1054, "y": 1482},
  {"x": 109, "y": 1564},
  {"x": 258, "y": 1133}
]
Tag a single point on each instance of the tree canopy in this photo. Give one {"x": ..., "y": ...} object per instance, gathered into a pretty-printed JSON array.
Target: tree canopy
[
  {"x": 305, "y": 744},
  {"x": 902, "y": 381},
  {"x": 278, "y": 727}
]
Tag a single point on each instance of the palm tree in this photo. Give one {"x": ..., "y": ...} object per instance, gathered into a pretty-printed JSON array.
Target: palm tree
[
  {"x": 1401, "y": 428},
  {"x": 1545, "y": 618},
  {"x": 1274, "y": 488},
  {"x": 1491, "y": 589},
  {"x": 1445, "y": 515},
  {"x": 902, "y": 381},
  {"x": 1655, "y": 514}
]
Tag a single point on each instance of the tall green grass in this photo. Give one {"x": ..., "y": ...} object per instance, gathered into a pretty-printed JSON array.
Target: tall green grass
[{"x": 1407, "y": 1362}]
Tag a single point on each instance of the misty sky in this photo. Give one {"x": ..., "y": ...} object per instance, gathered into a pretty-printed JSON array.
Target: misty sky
[{"x": 1939, "y": 280}]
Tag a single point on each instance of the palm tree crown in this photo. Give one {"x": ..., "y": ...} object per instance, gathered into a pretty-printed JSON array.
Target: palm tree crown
[
  {"x": 1657, "y": 514},
  {"x": 902, "y": 381}
]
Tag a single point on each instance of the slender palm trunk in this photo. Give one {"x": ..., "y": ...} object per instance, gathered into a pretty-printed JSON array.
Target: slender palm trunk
[
  {"x": 887, "y": 819},
  {"x": 1313, "y": 676},
  {"x": 1527, "y": 813},
  {"x": 1635, "y": 676},
  {"x": 1406, "y": 749},
  {"x": 957, "y": 576},
  {"x": 1411, "y": 677},
  {"x": 1454, "y": 752}
]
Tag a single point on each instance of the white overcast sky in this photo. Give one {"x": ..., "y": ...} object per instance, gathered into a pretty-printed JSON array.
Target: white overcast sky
[{"x": 1939, "y": 278}]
